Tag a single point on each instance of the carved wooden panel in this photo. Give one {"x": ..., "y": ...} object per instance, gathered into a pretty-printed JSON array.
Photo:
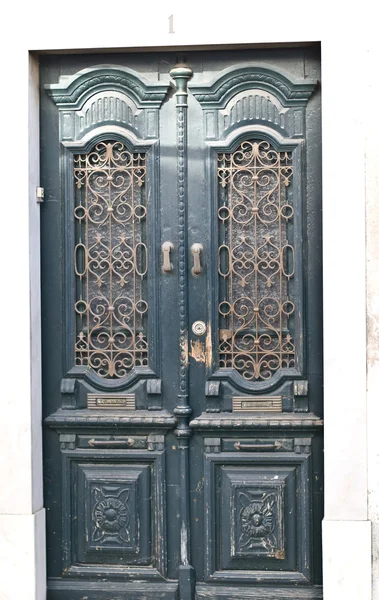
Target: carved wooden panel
[
  {"x": 113, "y": 514},
  {"x": 253, "y": 508},
  {"x": 256, "y": 520},
  {"x": 113, "y": 508}
]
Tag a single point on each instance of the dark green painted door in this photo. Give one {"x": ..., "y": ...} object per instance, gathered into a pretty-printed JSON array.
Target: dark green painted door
[{"x": 182, "y": 324}]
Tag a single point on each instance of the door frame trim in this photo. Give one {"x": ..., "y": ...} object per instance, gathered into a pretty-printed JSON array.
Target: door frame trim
[{"x": 22, "y": 517}]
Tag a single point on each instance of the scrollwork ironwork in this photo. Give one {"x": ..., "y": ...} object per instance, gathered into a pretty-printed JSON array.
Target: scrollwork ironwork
[
  {"x": 255, "y": 260},
  {"x": 110, "y": 260}
]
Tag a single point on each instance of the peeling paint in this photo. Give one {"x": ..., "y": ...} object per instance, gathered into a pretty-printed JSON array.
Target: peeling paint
[
  {"x": 184, "y": 348},
  {"x": 200, "y": 485},
  {"x": 198, "y": 351},
  {"x": 208, "y": 347},
  {"x": 183, "y": 545}
]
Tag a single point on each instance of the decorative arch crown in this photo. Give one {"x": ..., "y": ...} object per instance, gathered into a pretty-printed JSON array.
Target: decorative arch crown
[
  {"x": 107, "y": 95},
  {"x": 231, "y": 81},
  {"x": 72, "y": 92}
]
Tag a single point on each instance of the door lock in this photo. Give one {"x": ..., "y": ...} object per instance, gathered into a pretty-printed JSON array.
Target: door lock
[{"x": 199, "y": 327}]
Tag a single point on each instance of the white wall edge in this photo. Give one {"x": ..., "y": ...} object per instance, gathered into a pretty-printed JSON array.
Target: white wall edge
[
  {"x": 23, "y": 556},
  {"x": 346, "y": 531},
  {"x": 347, "y": 560}
]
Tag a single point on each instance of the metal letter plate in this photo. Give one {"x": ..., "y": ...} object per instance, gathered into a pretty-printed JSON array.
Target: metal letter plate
[
  {"x": 109, "y": 401},
  {"x": 257, "y": 403}
]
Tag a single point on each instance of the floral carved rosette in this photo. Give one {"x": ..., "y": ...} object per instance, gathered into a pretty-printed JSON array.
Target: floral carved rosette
[
  {"x": 257, "y": 521},
  {"x": 111, "y": 516}
]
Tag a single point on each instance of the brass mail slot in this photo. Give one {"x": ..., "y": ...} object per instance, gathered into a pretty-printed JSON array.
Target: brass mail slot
[
  {"x": 257, "y": 403},
  {"x": 124, "y": 401}
]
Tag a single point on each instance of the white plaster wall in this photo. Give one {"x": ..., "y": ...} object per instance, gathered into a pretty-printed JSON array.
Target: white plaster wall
[
  {"x": 344, "y": 32},
  {"x": 372, "y": 273},
  {"x": 347, "y": 578},
  {"x": 22, "y": 556},
  {"x": 344, "y": 289}
]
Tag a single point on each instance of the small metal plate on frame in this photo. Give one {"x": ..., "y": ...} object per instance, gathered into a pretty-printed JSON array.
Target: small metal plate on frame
[
  {"x": 119, "y": 401},
  {"x": 257, "y": 403}
]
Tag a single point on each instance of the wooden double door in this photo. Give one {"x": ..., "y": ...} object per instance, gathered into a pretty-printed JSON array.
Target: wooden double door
[{"x": 182, "y": 324}]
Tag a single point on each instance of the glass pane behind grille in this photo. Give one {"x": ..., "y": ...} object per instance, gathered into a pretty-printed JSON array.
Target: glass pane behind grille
[
  {"x": 110, "y": 260},
  {"x": 256, "y": 260}
]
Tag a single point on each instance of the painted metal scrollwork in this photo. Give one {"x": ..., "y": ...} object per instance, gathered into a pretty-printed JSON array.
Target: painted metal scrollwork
[
  {"x": 255, "y": 260},
  {"x": 110, "y": 260}
]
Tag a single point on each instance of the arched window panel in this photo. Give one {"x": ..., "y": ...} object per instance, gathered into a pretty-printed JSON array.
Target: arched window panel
[
  {"x": 108, "y": 129},
  {"x": 256, "y": 260},
  {"x": 254, "y": 124},
  {"x": 111, "y": 260}
]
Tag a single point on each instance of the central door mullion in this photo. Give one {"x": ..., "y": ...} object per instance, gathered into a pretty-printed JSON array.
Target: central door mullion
[{"x": 181, "y": 75}]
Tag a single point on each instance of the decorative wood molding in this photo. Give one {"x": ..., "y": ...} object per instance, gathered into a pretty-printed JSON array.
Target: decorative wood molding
[
  {"x": 71, "y": 588},
  {"x": 154, "y": 394},
  {"x": 212, "y": 445},
  {"x": 129, "y": 535},
  {"x": 107, "y": 95},
  {"x": 249, "y": 510},
  {"x": 225, "y": 592},
  {"x": 156, "y": 442},
  {"x": 67, "y": 441},
  {"x": 231, "y": 81},
  {"x": 68, "y": 391},
  {"x": 71, "y": 92},
  {"x": 79, "y": 419},
  {"x": 236, "y": 421},
  {"x": 300, "y": 393},
  {"x": 253, "y": 94},
  {"x": 181, "y": 75},
  {"x": 303, "y": 445},
  {"x": 212, "y": 388}
]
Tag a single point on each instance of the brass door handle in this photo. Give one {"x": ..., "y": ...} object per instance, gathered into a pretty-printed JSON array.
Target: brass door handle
[
  {"x": 196, "y": 250},
  {"x": 167, "y": 247},
  {"x": 257, "y": 447},
  {"x": 107, "y": 444}
]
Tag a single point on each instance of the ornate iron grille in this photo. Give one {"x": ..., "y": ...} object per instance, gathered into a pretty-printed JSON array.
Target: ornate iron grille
[
  {"x": 255, "y": 260},
  {"x": 110, "y": 260}
]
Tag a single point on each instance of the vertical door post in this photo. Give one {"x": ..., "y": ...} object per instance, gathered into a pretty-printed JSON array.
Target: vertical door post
[{"x": 181, "y": 75}]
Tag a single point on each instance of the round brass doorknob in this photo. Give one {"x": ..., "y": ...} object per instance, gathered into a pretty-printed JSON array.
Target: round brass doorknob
[{"x": 199, "y": 327}]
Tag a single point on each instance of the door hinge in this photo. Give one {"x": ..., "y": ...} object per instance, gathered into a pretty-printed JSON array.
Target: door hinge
[{"x": 40, "y": 194}]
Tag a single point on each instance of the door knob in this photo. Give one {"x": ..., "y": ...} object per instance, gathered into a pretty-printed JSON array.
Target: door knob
[
  {"x": 166, "y": 249},
  {"x": 199, "y": 327},
  {"x": 196, "y": 250}
]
